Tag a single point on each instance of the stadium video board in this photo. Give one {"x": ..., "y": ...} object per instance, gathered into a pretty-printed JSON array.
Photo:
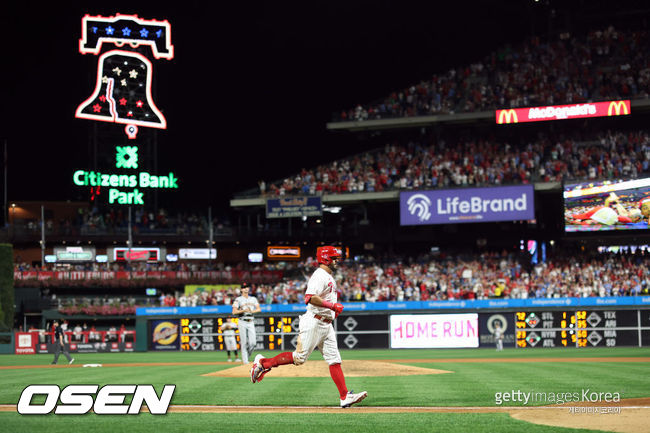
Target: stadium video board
[
  {"x": 607, "y": 205},
  {"x": 429, "y": 331},
  {"x": 467, "y": 205}
]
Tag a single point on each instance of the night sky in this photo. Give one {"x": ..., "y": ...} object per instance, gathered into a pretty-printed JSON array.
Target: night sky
[{"x": 251, "y": 86}]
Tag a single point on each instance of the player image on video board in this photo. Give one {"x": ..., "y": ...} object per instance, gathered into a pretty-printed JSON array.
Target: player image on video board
[{"x": 607, "y": 205}]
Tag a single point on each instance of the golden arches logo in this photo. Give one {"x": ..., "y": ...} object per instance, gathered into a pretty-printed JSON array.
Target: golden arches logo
[
  {"x": 507, "y": 116},
  {"x": 616, "y": 107}
]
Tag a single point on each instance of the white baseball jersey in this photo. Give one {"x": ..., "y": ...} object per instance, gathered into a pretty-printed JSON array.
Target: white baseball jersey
[
  {"x": 323, "y": 285},
  {"x": 316, "y": 332}
]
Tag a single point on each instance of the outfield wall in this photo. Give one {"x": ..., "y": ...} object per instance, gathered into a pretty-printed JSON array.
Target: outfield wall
[{"x": 526, "y": 323}]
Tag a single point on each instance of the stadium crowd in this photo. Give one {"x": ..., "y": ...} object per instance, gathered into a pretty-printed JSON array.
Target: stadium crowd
[
  {"x": 484, "y": 276},
  {"x": 114, "y": 220},
  {"x": 427, "y": 162},
  {"x": 139, "y": 266},
  {"x": 441, "y": 277},
  {"x": 601, "y": 65}
]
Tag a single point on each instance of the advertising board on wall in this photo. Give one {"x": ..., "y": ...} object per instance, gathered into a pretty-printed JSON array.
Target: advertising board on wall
[
  {"x": 563, "y": 112},
  {"x": 197, "y": 253},
  {"x": 164, "y": 335},
  {"x": 429, "y": 331},
  {"x": 74, "y": 253},
  {"x": 288, "y": 207},
  {"x": 467, "y": 205}
]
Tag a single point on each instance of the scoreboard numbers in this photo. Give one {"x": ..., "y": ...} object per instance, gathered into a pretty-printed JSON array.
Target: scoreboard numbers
[
  {"x": 204, "y": 334},
  {"x": 579, "y": 328}
]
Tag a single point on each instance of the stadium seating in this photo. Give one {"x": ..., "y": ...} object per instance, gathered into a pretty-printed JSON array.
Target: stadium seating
[{"x": 604, "y": 64}]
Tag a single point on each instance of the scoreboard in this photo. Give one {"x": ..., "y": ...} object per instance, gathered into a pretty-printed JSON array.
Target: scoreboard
[
  {"x": 545, "y": 328},
  {"x": 204, "y": 334},
  {"x": 200, "y": 334},
  {"x": 577, "y": 328}
]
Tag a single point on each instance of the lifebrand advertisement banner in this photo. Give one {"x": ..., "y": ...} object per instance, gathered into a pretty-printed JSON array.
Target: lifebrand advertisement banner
[{"x": 467, "y": 205}]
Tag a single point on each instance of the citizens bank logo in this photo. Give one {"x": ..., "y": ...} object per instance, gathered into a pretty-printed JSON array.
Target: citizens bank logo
[
  {"x": 419, "y": 205},
  {"x": 507, "y": 116},
  {"x": 126, "y": 156},
  {"x": 109, "y": 400},
  {"x": 616, "y": 107}
]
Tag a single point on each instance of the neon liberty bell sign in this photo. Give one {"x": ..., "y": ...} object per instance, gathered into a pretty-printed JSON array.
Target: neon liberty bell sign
[
  {"x": 123, "y": 89},
  {"x": 122, "y": 95}
]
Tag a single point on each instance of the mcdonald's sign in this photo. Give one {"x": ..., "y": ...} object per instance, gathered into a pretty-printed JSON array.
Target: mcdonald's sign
[
  {"x": 563, "y": 112},
  {"x": 507, "y": 116},
  {"x": 616, "y": 108}
]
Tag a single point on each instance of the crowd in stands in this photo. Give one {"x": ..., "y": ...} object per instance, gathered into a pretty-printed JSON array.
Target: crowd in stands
[
  {"x": 441, "y": 277},
  {"x": 111, "y": 220},
  {"x": 425, "y": 162},
  {"x": 180, "y": 266},
  {"x": 485, "y": 276},
  {"x": 601, "y": 65},
  {"x": 143, "y": 220},
  {"x": 80, "y": 332}
]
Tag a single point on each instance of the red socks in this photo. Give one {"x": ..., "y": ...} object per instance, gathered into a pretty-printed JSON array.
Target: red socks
[
  {"x": 337, "y": 376},
  {"x": 287, "y": 358},
  {"x": 281, "y": 359}
]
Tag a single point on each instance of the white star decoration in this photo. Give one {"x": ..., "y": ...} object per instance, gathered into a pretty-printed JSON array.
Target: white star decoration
[
  {"x": 133, "y": 73},
  {"x": 123, "y": 81},
  {"x": 117, "y": 71},
  {"x": 104, "y": 79}
]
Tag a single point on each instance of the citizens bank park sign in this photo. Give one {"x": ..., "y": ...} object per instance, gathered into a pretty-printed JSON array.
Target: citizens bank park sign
[{"x": 563, "y": 112}]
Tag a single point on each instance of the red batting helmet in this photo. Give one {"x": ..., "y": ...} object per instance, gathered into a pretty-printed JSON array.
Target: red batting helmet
[{"x": 325, "y": 255}]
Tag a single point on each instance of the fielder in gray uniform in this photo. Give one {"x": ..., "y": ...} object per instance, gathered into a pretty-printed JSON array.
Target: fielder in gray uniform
[
  {"x": 229, "y": 338},
  {"x": 244, "y": 307},
  {"x": 316, "y": 330},
  {"x": 498, "y": 335}
]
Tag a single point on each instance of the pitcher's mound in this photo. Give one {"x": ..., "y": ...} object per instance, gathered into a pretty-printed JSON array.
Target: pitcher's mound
[{"x": 319, "y": 368}]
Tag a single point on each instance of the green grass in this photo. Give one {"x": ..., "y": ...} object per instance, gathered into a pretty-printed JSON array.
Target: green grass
[
  {"x": 470, "y": 384},
  {"x": 279, "y": 423}
]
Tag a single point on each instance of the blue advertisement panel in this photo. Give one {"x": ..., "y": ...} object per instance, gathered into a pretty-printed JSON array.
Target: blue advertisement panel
[
  {"x": 414, "y": 305},
  {"x": 164, "y": 335},
  {"x": 467, "y": 205},
  {"x": 289, "y": 207}
]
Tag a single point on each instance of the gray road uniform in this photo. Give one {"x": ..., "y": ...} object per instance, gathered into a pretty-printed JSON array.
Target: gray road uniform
[{"x": 247, "y": 336}]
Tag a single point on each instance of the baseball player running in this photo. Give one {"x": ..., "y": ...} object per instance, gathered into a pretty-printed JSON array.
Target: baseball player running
[
  {"x": 244, "y": 307},
  {"x": 229, "y": 338},
  {"x": 316, "y": 328}
]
